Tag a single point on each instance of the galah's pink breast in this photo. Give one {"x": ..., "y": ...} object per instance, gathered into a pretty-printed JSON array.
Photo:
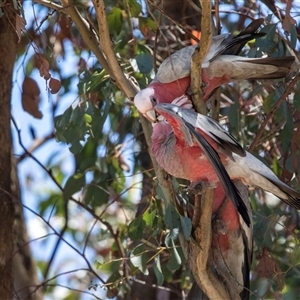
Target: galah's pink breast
[{"x": 178, "y": 158}]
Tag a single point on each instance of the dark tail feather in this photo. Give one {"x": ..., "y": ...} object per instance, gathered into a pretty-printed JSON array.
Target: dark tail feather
[
  {"x": 293, "y": 196},
  {"x": 250, "y": 31}
]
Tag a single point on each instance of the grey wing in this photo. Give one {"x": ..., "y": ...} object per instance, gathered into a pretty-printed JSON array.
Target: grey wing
[
  {"x": 228, "y": 186},
  {"x": 223, "y": 138},
  {"x": 178, "y": 65}
]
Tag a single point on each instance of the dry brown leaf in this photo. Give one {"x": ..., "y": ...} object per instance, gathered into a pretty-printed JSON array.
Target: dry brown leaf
[
  {"x": 65, "y": 27},
  {"x": 94, "y": 98},
  {"x": 54, "y": 85},
  {"x": 266, "y": 265},
  {"x": 20, "y": 25},
  {"x": 268, "y": 268},
  {"x": 81, "y": 64},
  {"x": 30, "y": 87},
  {"x": 31, "y": 97},
  {"x": 288, "y": 20},
  {"x": 43, "y": 65},
  {"x": 279, "y": 276}
]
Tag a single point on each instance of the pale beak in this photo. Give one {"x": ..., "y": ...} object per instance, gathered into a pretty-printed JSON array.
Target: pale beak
[{"x": 151, "y": 115}]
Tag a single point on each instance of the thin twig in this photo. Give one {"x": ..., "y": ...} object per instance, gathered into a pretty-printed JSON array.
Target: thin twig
[
  {"x": 51, "y": 4},
  {"x": 35, "y": 145},
  {"x": 58, "y": 185},
  {"x": 188, "y": 32},
  {"x": 217, "y": 16},
  {"x": 272, "y": 113},
  {"x": 199, "y": 55}
]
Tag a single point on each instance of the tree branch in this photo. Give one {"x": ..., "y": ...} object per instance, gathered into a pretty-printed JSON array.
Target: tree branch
[
  {"x": 105, "y": 42},
  {"x": 51, "y": 4},
  {"x": 109, "y": 63},
  {"x": 35, "y": 145},
  {"x": 85, "y": 30},
  {"x": 199, "y": 251},
  {"x": 129, "y": 90},
  {"x": 183, "y": 28},
  {"x": 199, "y": 55}
]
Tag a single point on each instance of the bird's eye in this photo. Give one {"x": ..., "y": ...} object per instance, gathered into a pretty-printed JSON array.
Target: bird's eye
[{"x": 153, "y": 100}]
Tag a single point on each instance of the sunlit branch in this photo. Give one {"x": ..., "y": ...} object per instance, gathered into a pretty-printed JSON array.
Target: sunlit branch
[
  {"x": 199, "y": 55},
  {"x": 199, "y": 251},
  {"x": 106, "y": 45}
]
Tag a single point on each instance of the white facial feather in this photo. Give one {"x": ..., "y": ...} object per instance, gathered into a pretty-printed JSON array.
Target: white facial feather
[{"x": 142, "y": 100}]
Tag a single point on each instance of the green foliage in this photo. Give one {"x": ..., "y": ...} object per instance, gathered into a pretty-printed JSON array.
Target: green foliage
[
  {"x": 175, "y": 260},
  {"x": 158, "y": 271},
  {"x": 73, "y": 185},
  {"x": 72, "y": 126},
  {"x": 123, "y": 235},
  {"x": 138, "y": 258},
  {"x": 135, "y": 8},
  {"x": 95, "y": 195},
  {"x": 144, "y": 62},
  {"x": 114, "y": 19}
]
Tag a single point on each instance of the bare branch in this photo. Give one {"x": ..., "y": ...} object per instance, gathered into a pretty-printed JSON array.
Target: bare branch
[
  {"x": 183, "y": 28},
  {"x": 106, "y": 45},
  {"x": 35, "y": 145},
  {"x": 199, "y": 55},
  {"x": 217, "y": 14},
  {"x": 51, "y": 4},
  {"x": 85, "y": 30},
  {"x": 199, "y": 251}
]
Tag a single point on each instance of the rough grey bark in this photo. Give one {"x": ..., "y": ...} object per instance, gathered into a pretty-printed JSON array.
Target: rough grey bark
[{"x": 8, "y": 47}]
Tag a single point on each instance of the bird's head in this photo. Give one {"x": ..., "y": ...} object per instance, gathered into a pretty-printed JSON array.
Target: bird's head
[
  {"x": 145, "y": 102},
  {"x": 147, "y": 99}
]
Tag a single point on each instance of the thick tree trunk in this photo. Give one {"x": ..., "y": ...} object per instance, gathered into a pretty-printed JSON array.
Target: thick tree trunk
[
  {"x": 8, "y": 47},
  {"x": 17, "y": 269}
]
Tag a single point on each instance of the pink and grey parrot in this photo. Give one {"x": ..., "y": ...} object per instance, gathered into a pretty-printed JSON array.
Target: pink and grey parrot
[
  {"x": 195, "y": 147},
  {"x": 221, "y": 65}
]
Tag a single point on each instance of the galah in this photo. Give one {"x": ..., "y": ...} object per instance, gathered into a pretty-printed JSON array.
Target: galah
[
  {"x": 193, "y": 146},
  {"x": 221, "y": 65},
  {"x": 231, "y": 248}
]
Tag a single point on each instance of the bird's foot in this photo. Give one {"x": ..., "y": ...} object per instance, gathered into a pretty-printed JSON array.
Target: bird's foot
[
  {"x": 198, "y": 187},
  {"x": 219, "y": 227}
]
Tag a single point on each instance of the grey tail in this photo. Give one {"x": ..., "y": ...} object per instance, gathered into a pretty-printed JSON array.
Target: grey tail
[
  {"x": 293, "y": 196},
  {"x": 282, "y": 63}
]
